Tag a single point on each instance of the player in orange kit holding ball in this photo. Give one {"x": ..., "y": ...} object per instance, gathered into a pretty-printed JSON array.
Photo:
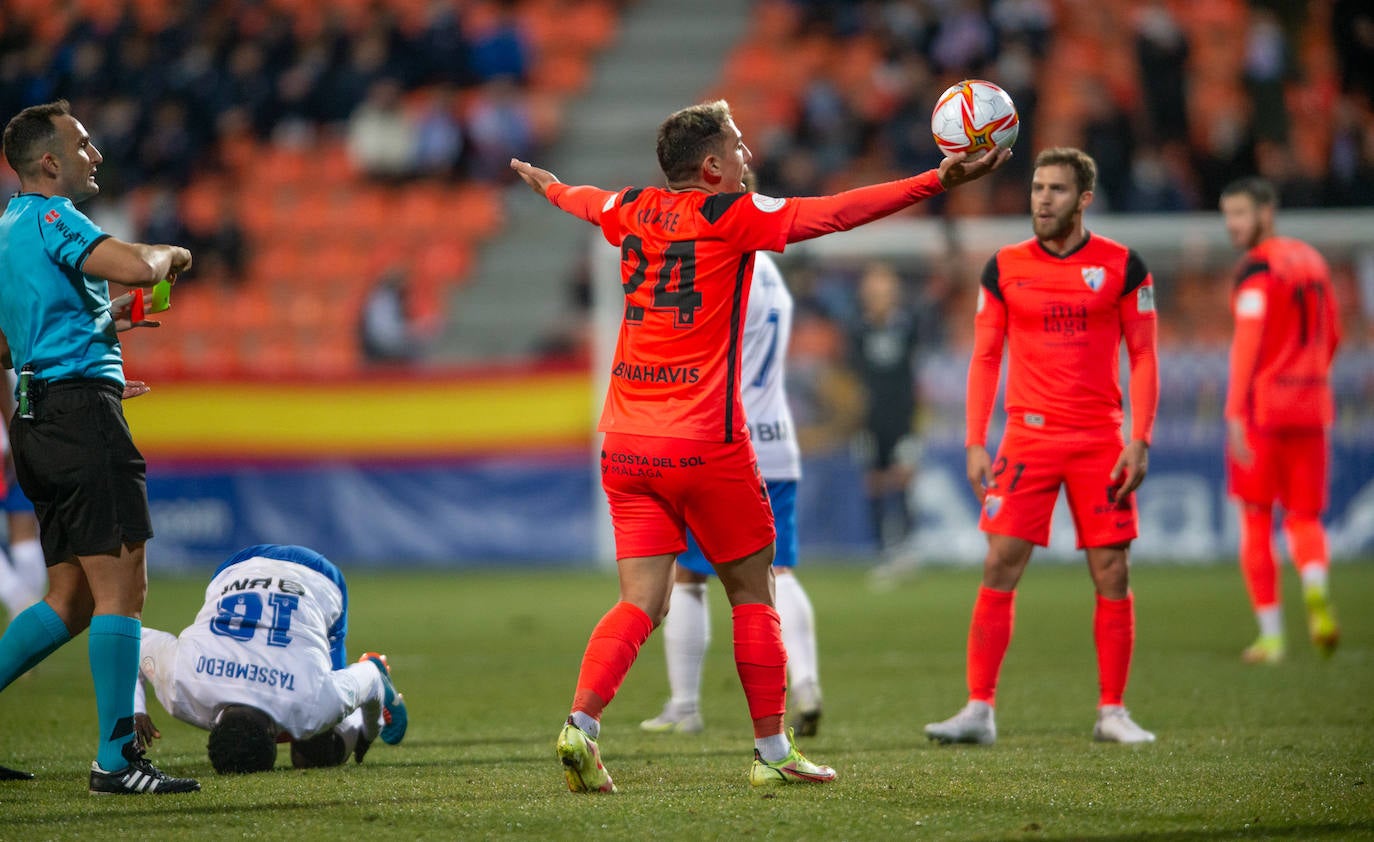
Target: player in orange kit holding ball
[
  {"x": 1278, "y": 408},
  {"x": 677, "y": 452}
]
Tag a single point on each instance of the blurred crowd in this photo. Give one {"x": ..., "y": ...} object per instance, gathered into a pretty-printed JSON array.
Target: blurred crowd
[
  {"x": 1173, "y": 99},
  {"x": 321, "y": 143},
  {"x": 165, "y": 87},
  {"x": 370, "y": 97}
]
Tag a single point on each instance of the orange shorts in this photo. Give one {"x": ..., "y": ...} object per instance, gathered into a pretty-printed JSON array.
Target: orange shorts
[
  {"x": 1288, "y": 466},
  {"x": 659, "y": 487},
  {"x": 1030, "y": 467}
]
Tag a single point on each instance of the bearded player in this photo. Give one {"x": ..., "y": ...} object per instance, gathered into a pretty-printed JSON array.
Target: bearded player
[
  {"x": 1278, "y": 408},
  {"x": 1062, "y": 302},
  {"x": 676, "y": 452}
]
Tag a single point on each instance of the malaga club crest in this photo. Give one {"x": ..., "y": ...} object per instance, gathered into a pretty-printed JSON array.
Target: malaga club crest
[
  {"x": 1094, "y": 276},
  {"x": 992, "y": 504}
]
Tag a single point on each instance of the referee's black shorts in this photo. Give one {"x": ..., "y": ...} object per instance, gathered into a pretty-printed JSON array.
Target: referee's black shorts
[{"x": 77, "y": 462}]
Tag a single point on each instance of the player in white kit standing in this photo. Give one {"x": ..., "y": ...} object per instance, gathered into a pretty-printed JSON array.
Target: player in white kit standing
[
  {"x": 687, "y": 628},
  {"x": 264, "y": 662}
]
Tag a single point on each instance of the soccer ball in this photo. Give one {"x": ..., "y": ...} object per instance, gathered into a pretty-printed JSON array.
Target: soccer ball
[{"x": 972, "y": 116}]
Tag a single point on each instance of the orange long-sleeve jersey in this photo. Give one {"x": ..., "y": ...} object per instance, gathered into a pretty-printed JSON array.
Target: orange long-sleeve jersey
[
  {"x": 1286, "y": 335},
  {"x": 1064, "y": 318},
  {"x": 687, "y": 264}
]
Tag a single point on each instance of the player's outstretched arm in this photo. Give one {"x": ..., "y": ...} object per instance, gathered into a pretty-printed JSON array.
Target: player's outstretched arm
[
  {"x": 538, "y": 180},
  {"x": 819, "y": 215},
  {"x": 581, "y": 201}
]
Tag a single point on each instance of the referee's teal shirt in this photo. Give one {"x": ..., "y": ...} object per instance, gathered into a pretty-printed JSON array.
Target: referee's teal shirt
[{"x": 55, "y": 317}]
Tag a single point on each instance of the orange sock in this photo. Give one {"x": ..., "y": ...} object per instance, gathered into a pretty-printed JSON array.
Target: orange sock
[
  {"x": 1114, "y": 634},
  {"x": 762, "y": 664},
  {"x": 1306, "y": 541},
  {"x": 1257, "y": 555},
  {"x": 611, "y": 651},
  {"x": 989, "y": 635}
]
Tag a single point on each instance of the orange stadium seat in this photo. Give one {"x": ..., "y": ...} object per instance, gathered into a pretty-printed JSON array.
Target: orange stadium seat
[
  {"x": 196, "y": 309},
  {"x": 282, "y": 261},
  {"x": 315, "y": 227},
  {"x": 561, "y": 70},
  {"x": 336, "y": 355},
  {"x": 210, "y": 356},
  {"x": 269, "y": 355},
  {"x": 102, "y": 13},
  {"x": 280, "y": 166},
  {"x": 419, "y": 212},
  {"x": 24, "y": 11},
  {"x": 472, "y": 212},
  {"x": 257, "y": 214},
  {"x": 441, "y": 264},
  {"x": 369, "y": 213},
  {"x": 773, "y": 21}
]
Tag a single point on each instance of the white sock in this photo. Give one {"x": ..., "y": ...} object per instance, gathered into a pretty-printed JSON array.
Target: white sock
[
  {"x": 799, "y": 639},
  {"x": 367, "y": 681},
  {"x": 350, "y": 729},
  {"x": 774, "y": 748},
  {"x": 1314, "y": 577},
  {"x": 686, "y": 634},
  {"x": 28, "y": 560},
  {"x": 591, "y": 727},
  {"x": 14, "y": 593},
  {"x": 1270, "y": 621}
]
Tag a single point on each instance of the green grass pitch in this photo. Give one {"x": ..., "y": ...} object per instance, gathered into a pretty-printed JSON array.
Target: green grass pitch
[{"x": 487, "y": 662}]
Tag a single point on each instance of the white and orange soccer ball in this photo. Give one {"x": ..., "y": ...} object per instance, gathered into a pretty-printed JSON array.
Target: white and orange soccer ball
[{"x": 973, "y": 116}]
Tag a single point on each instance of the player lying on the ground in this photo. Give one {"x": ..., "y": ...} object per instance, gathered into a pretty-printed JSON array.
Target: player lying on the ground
[{"x": 264, "y": 662}]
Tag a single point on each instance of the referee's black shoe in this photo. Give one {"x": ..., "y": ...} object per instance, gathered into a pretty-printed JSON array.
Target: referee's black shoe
[
  {"x": 8, "y": 774},
  {"x": 139, "y": 778}
]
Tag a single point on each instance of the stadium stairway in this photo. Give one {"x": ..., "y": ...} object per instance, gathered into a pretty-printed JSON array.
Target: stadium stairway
[{"x": 667, "y": 54}]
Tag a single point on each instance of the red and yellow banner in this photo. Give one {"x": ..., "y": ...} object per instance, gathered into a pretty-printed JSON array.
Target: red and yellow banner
[{"x": 380, "y": 417}]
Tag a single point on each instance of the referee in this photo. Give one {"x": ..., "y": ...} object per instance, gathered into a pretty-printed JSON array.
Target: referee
[{"x": 72, "y": 450}]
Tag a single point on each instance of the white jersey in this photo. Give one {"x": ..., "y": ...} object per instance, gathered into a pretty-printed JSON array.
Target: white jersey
[
  {"x": 767, "y": 333},
  {"x": 266, "y": 637}
]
